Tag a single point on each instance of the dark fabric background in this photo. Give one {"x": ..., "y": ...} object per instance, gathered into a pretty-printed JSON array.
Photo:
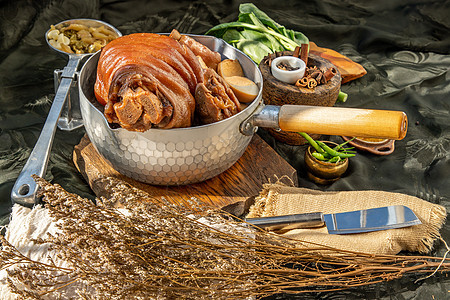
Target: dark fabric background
[{"x": 404, "y": 46}]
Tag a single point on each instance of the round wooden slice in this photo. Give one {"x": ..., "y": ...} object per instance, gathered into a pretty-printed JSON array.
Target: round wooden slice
[{"x": 276, "y": 92}]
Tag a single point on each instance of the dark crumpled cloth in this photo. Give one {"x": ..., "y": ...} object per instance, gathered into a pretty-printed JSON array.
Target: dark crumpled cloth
[{"x": 404, "y": 45}]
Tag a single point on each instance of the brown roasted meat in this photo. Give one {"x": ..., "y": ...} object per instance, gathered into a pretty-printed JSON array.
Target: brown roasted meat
[
  {"x": 147, "y": 80},
  {"x": 215, "y": 100},
  {"x": 211, "y": 58}
]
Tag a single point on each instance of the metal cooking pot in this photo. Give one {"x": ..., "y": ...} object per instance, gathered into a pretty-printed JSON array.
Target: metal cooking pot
[{"x": 188, "y": 155}]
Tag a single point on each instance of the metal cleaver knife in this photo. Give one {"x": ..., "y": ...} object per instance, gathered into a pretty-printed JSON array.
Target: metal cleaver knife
[{"x": 374, "y": 219}]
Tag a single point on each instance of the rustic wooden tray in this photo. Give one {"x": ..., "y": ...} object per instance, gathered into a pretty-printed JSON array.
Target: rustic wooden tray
[{"x": 259, "y": 164}]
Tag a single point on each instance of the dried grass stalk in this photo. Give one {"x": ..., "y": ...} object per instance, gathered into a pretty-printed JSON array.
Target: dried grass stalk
[{"x": 154, "y": 249}]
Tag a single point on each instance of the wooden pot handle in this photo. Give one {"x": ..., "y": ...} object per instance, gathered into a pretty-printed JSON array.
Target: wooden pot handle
[{"x": 343, "y": 121}]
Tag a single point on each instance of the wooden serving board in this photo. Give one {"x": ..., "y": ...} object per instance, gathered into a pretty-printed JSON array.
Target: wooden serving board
[{"x": 258, "y": 165}]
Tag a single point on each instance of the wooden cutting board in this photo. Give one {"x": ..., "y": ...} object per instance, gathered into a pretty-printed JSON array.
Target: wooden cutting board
[{"x": 258, "y": 165}]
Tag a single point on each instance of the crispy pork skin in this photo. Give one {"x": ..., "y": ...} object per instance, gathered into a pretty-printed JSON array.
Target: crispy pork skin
[{"x": 147, "y": 80}]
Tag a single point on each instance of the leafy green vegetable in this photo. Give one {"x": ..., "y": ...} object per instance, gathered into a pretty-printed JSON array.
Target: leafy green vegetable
[{"x": 256, "y": 34}]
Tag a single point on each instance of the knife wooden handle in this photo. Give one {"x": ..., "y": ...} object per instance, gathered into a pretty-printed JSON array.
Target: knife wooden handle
[
  {"x": 287, "y": 222},
  {"x": 343, "y": 121}
]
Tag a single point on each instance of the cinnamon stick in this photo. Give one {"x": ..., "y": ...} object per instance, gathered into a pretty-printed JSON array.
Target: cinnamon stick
[
  {"x": 312, "y": 83},
  {"x": 304, "y": 53},
  {"x": 329, "y": 73},
  {"x": 296, "y": 52},
  {"x": 302, "y": 82}
]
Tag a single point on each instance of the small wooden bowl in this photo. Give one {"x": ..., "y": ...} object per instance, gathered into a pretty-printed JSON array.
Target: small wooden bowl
[
  {"x": 276, "y": 92},
  {"x": 323, "y": 172}
]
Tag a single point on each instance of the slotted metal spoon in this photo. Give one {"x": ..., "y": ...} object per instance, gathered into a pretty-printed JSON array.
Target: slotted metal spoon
[{"x": 25, "y": 189}]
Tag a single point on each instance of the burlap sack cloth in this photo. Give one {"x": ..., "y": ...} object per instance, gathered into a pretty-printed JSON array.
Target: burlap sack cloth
[{"x": 277, "y": 199}]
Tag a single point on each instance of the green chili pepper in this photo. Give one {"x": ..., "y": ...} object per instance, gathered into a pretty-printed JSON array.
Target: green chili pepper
[
  {"x": 334, "y": 159},
  {"x": 320, "y": 156},
  {"x": 334, "y": 152},
  {"x": 312, "y": 142}
]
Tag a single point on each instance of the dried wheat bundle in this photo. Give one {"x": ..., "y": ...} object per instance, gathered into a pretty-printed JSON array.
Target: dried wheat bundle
[{"x": 155, "y": 249}]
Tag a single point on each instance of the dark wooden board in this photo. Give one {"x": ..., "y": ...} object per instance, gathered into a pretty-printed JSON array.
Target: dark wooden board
[{"x": 258, "y": 165}]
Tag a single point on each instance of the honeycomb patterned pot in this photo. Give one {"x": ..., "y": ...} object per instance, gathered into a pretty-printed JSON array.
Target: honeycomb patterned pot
[{"x": 169, "y": 156}]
